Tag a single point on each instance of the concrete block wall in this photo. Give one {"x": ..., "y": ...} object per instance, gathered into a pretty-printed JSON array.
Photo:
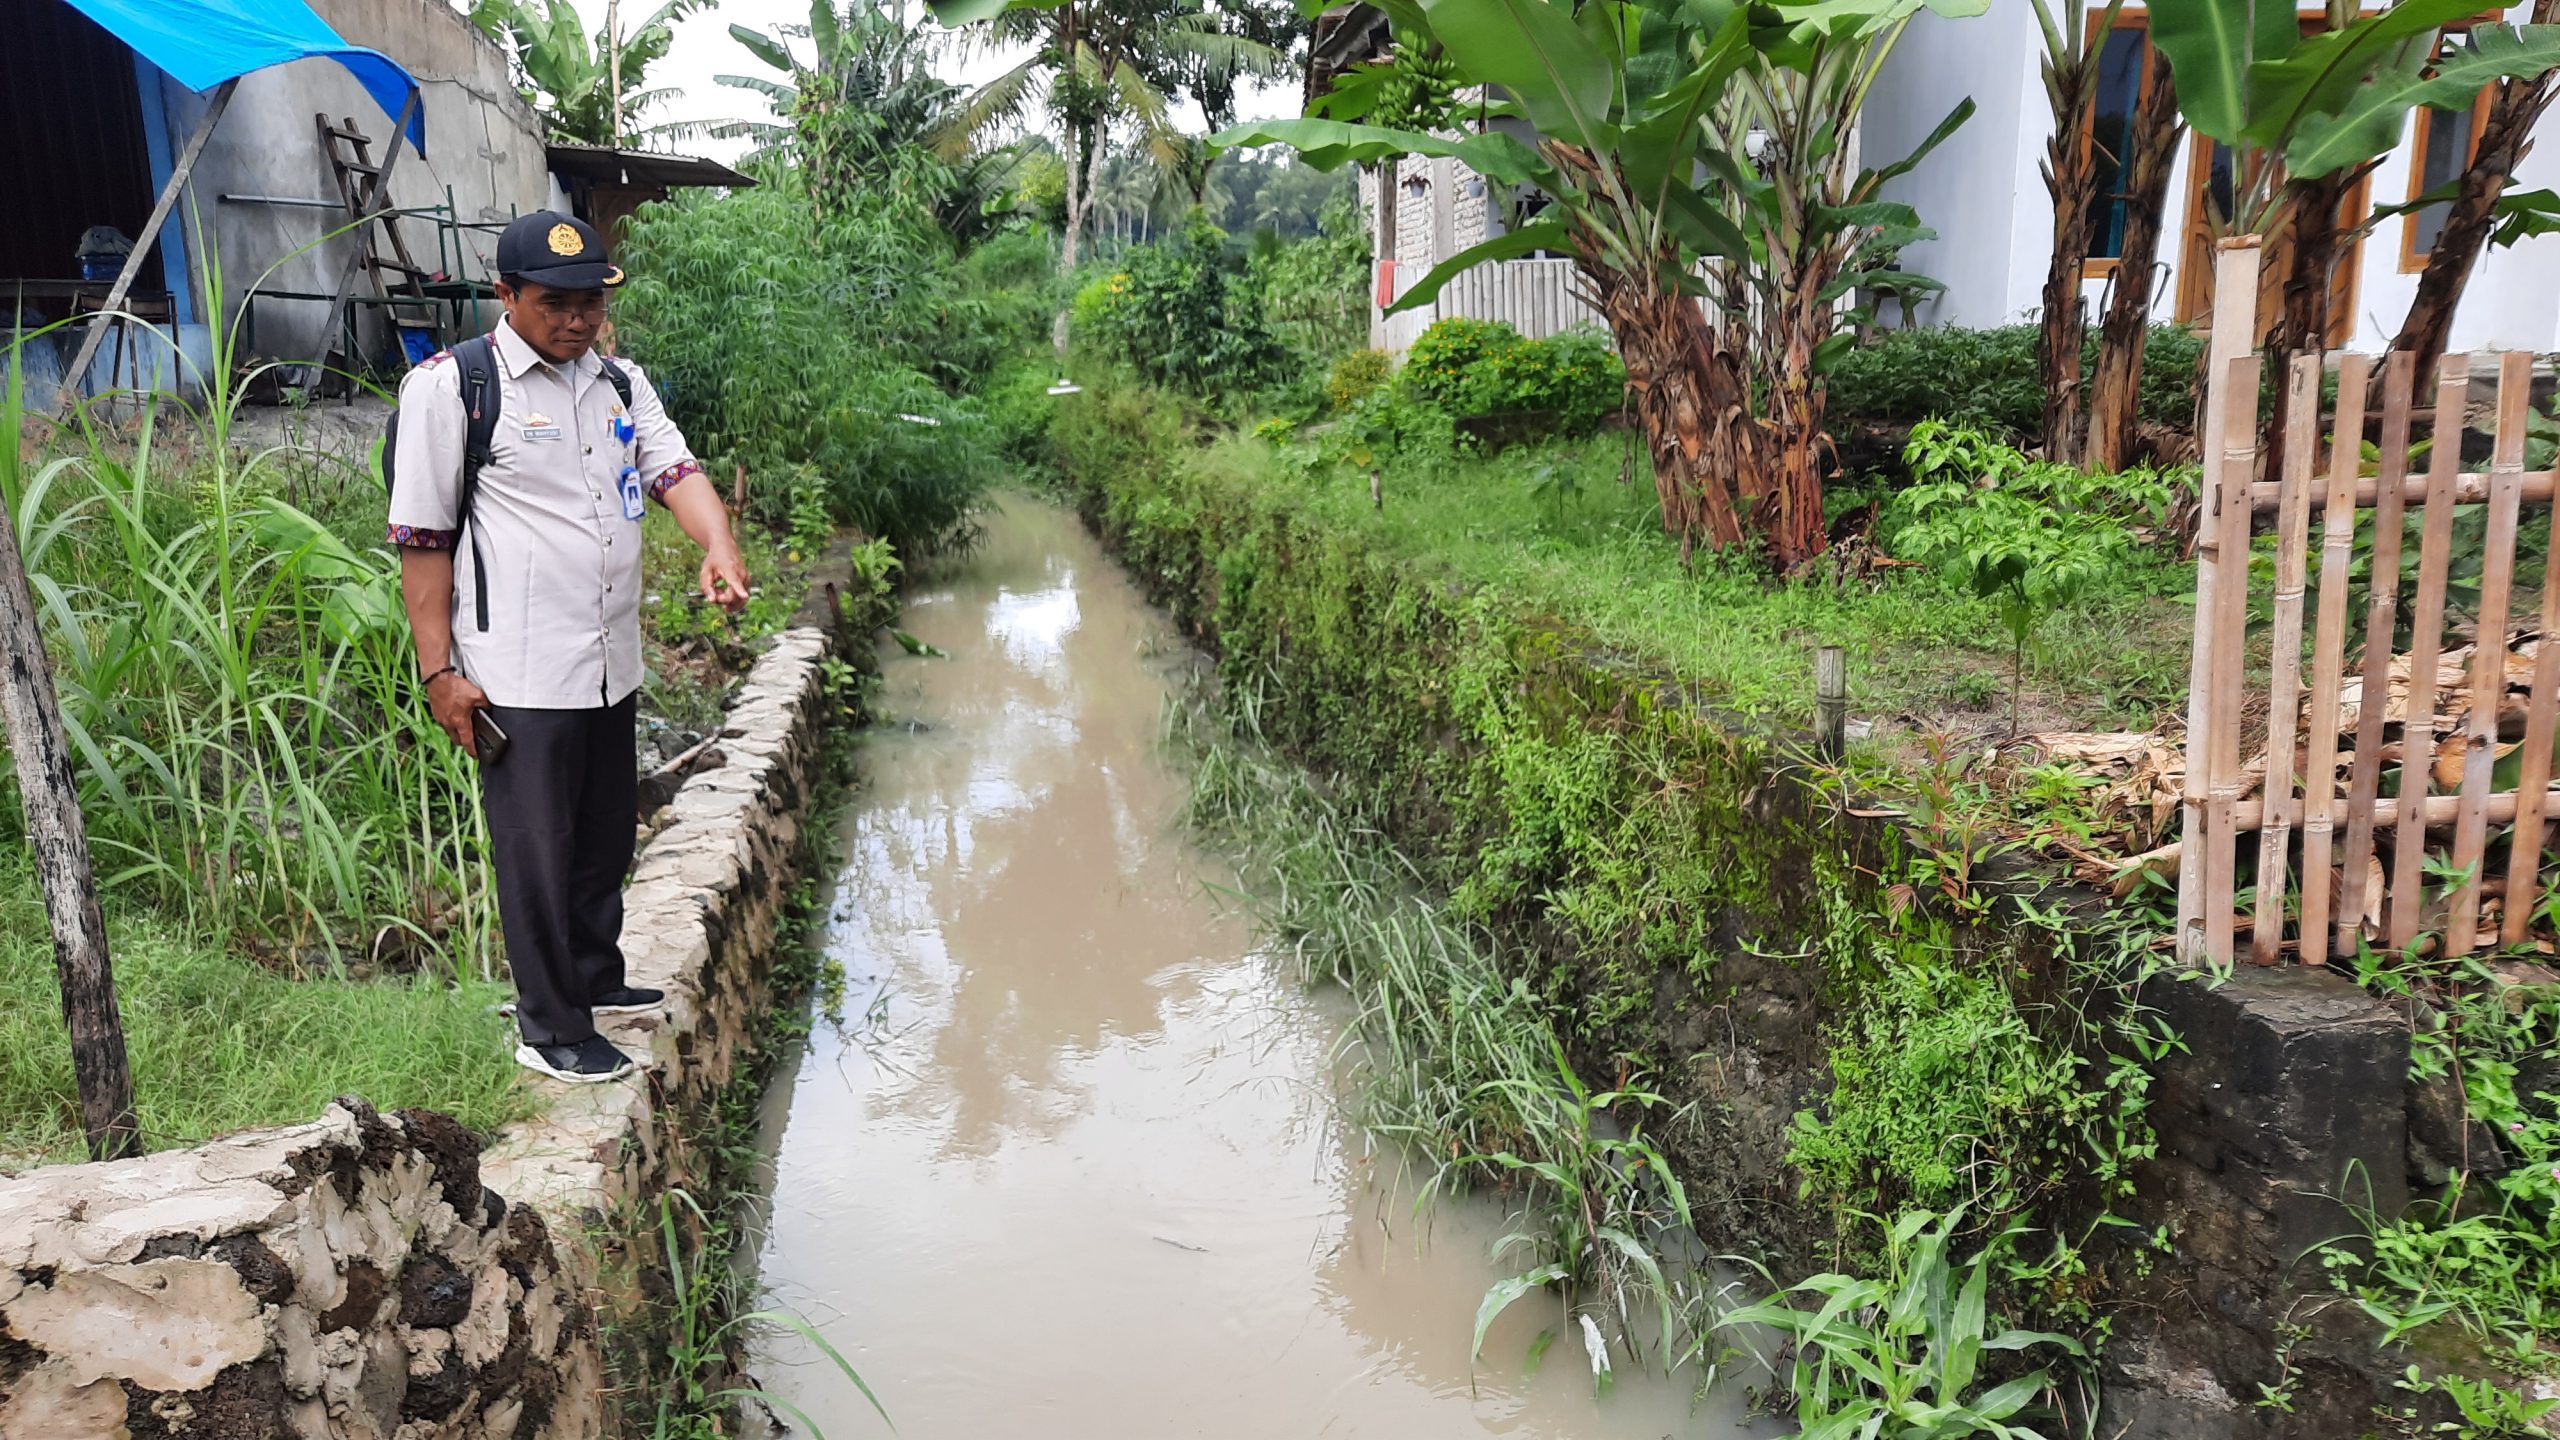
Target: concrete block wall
[{"x": 373, "y": 1277}]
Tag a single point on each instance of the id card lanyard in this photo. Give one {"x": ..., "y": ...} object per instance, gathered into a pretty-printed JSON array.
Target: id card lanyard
[{"x": 634, "y": 499}]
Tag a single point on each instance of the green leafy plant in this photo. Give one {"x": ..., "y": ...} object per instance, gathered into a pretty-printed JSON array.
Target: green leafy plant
[
  {"x": 1314, "y": 293},
  {"x": 822, "y": 362},
  {"x": 2486, "y": 1409},
  {"x": 1181, "y": 313},
  {"x": 1902, "y": 1353},
  {"x": 2029, "y": 537},
  {"x": 1987, "y": 379}
]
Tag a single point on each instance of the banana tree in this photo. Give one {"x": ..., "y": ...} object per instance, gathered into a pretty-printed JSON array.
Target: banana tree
[
  {"x": 2473, "y": 218},
  {"x": 2115, "y": 389},
  {"x": 2306, "y": 115},
  {"x": 1700, "y": 158},
  {"x": 2073, "y": 46},
  {"x": 589, "y": 90}
]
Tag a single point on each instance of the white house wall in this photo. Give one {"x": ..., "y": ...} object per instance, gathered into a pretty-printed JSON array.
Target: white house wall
[
  {"x": 482, "y": 140},
  {"x": 1980, "y": 190},
  {"x": 1983, "y": 192}
]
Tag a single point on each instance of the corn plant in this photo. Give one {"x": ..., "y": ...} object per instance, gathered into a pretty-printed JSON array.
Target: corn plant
[{"x": 1899, "y": 1354}]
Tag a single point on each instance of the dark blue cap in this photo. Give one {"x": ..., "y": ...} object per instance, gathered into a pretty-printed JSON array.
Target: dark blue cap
[{"x": 561, "y": 251}]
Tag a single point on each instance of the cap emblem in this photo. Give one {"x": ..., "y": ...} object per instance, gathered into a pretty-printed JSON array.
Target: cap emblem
[{"x": 565, "y": 241}]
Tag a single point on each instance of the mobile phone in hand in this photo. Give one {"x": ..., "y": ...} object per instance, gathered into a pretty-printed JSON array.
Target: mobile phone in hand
[{"x": 489, "y": 741}]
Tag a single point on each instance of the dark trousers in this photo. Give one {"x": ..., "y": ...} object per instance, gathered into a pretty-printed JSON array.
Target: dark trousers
[{"x": 561, "y": 804}]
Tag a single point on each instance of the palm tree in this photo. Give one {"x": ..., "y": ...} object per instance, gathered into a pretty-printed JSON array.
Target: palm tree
[
  {"x": 1096, "y": 64},
  {"x": 867, "y": 94}
]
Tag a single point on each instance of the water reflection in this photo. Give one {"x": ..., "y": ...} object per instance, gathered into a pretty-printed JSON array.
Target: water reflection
[{"x": 1088, "y": 1184}]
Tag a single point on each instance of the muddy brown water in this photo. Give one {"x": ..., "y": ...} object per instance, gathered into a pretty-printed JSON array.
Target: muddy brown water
[{"x": 1068, "y": 1166}]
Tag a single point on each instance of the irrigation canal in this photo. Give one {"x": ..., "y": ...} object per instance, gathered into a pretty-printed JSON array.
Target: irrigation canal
[{"x": 1068, "y": 1166}]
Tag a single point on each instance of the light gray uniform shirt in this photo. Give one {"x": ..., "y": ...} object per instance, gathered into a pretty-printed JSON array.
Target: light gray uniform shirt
[{"x": 555, "y": 525}]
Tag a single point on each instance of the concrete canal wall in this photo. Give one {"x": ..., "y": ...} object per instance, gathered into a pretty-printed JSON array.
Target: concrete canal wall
[{"x": 384, "y": 1277}]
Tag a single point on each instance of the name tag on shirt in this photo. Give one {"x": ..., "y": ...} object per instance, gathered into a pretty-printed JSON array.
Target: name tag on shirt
[
  {"x": 632, "y": 495},
  {"x": 541, "y": 432}
]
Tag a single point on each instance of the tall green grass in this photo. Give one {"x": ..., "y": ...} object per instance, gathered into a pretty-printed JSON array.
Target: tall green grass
[
  {"x": 1457, "y": 1059},
  {"x": 236, "y": 681}
]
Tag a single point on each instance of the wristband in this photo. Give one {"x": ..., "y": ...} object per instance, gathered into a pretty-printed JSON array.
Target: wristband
[{"x": 430, "y": 682}]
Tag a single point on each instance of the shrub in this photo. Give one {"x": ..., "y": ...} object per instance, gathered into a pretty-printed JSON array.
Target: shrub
[
  {"x": 1483, "y": 367},
  {"x": 2029, "y": 535},
  {"x": 1314, "y": 293},
  {"x": 779, "y": 343},
  {"x": 1988, "y": 377},
  {"x": 1182, "y": 313},
  {"x": 1355, "y": 375}
]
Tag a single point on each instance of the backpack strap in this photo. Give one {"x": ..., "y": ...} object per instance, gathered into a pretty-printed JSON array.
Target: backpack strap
[
  {"x": 618, "y": 378},
  {"x": 477, "y": 361}
]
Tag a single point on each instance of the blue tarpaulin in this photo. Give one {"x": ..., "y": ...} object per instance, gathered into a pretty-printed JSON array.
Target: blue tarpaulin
[{"x": 202, "y": 43}]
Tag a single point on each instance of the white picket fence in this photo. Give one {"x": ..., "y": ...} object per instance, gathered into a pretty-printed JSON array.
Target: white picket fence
[{"x": 1538, "y": 298}]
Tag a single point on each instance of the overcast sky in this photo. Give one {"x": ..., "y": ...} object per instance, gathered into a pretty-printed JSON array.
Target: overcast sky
[{"x": 703, "y": 48}]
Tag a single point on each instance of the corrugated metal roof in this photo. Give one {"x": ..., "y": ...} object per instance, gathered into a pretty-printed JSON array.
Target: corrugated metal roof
[{"x": 604, "y": 165}]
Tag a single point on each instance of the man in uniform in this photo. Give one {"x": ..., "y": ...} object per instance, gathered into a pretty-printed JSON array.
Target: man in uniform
[{"x": 527, "y": 608}]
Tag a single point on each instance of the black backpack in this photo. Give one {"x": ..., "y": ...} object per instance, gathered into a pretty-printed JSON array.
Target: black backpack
[{"x": 477, "y": 361}]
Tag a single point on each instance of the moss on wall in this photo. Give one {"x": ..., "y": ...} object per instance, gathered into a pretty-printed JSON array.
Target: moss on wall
[{"x": 1698, "y": 912}]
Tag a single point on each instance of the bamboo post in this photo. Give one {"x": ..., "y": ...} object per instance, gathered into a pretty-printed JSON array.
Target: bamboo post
[
  {"x": 2524, "y": 847},
  {"x": 2437, "y": 810},
  {"x": 1831, "y": 702},
  {"x": 2284, "y": 663},
  {"x": 2238, "y": 448},
  {"x": 2426, "y": 644},
  {"x": 168, "y": 201},
  {"x": 50, "y": 797},
  {"x": 2381, "y": 620},
  {"x": 2328, "y": 655},
  {"x": 2235, "y": 273},
  {"x": 2489, "y": 647},
  {"x": 2469, "y": 488}
]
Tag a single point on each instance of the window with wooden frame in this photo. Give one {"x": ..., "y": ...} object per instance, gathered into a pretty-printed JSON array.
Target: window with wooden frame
[
  {"x": 2125, "y": 71},
  {"x": 2442, "y": 144},
  {"x": 2209, "y": 194}
]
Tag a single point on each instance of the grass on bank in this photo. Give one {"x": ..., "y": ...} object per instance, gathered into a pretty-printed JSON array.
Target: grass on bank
[
  {"x": 1572, "y": 529},
  {"x": 1459, "y": 1065},
  {"x": 219, "y": 1043}
]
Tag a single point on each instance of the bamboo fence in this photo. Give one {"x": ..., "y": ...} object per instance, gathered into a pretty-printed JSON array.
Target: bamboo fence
[{"x": 2367, "y": 717}]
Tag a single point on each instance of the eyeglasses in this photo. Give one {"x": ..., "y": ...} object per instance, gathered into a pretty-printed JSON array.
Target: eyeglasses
[{"x": 569, "y": 304}]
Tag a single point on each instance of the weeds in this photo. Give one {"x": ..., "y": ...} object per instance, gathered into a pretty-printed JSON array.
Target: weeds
[
  {"x": 1457, "y": 1060},
  {"x": 2484, "y": 1253},
  {"x": 1902, "y": 1353},
  {"x": 698, "y": 1383}
]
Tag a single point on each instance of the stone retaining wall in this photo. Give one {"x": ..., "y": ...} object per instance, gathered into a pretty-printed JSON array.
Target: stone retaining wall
[{"x": 379, "y": 1277}]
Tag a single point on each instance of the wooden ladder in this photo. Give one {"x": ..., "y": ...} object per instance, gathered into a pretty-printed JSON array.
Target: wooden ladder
[{"x": 395, "y": 280}]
